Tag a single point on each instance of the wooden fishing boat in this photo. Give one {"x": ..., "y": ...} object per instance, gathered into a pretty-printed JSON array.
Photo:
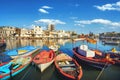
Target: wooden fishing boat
[
  {"x": 115, "y": 57},
  {"x": 14, "y": 67},
  {"x": 22, "y": 51},
  {"x": 93, "y": 41},
  {"x": 44, "y": 59},
  {"x": 54, "y": 47},
  {"x": 4, "y": 59},
  {"x": 114, "y": 51},
  {"x": 79, "y": 39},
  {"x": 113, "y": 54},
  {"x": 87, "y": 56},
  {"x": 67, "y": 67}
]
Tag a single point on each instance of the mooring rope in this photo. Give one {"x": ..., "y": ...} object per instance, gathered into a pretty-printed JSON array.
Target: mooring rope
[{"x": 101, "y": 71}]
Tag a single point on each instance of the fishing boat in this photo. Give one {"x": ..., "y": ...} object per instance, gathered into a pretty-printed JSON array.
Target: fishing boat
[
  {"x": 14, "y": 67},
  {"x": 93, "y": 41},
  {"x": 44, "y": 59},
  {"x": 113, "y": 51},
  {"x": 67, "y": 67},
  {"x": 54, "y": 47},
  {"x": 4, "y": 59},
  {"x": 22, "y": 51},
  {"x": 87, "y": 56},
  {"x": 115, "y": 55},
  {"x": 79, "y": 39}
]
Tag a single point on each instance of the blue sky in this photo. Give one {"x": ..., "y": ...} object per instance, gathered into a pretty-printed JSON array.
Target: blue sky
[{"x": 82, "y": 16}]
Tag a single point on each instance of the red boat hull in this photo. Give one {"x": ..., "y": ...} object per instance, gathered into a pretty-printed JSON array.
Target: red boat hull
[
  {"x": 44, "y": 59},
  {"x": 66, "y": 76},
  {"x": 97, "y": 63}
]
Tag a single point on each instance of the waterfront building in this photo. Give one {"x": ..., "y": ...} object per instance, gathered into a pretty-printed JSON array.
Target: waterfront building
[
  {"x": 63, "y": 34},
  {"x": 7, "y": 31},
  {"x": 110, "y": 35},
  {"x": 51, "y": 27},
  {"x": 25, "y": 33},
  {"x": 38, "y": 32}
]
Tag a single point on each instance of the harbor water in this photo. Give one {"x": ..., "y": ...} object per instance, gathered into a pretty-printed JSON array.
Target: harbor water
[{"x": 66, "y": 45}]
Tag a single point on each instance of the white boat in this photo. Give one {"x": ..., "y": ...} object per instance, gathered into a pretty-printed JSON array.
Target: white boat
[
  {"x": 54, "y": 47},
  {"x": 44, "y": 59}
]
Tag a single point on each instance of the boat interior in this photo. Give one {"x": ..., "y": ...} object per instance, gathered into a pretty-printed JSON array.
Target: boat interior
[{"x": 68, "y": 67}]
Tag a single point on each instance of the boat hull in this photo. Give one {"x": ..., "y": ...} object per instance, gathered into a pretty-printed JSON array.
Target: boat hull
[
  {"x": 62, "y": 77},
  {"x": 67, "y": 68},
  {"x": 24, "y": 65},
  {"x": 115, "y": 57},
  {"x": 97, "y": 65},
  {"x": 26, "y": 54},
  {"x": 94, "y": 63},
  {"x": 44, "y": 66},
  {"x": 44, "y": 59},
  {"x": 15, "y": 73}
]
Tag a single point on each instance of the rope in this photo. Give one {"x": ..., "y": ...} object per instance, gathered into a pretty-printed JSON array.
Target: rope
[{"x": 101, "y": 71}]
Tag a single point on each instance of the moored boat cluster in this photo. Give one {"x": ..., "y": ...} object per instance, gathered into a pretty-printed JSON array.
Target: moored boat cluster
[{"x": 69, "y": 68}]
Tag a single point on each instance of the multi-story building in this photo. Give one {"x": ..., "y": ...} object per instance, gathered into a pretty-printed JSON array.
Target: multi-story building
[
  {"x": 38, "y": 32},
  {"x": 7, "y": 31},
  {"x": 25, "y": 33},
  {"x": 51, "y": 27},
  {"x": 63, "y": 34}
]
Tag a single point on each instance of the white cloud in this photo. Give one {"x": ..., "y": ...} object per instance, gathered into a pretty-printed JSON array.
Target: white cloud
[
  {"x": 114, "y": 6},
  {"x": 43, "y": 11},
  {"x": 49, "y": 21},
  {"x": 46, "y": 7},
  {"x": 99, "y": 21},
  {"x": 79, "y": 25}
]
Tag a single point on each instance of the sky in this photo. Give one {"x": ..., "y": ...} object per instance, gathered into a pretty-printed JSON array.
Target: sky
[{"x": 81, "y": 16}]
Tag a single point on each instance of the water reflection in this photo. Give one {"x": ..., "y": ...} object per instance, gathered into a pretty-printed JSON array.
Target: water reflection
[{"x": 12, "y": 43}]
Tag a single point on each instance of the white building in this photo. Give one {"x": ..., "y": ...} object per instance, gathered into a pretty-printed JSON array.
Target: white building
[
  {"x": 38, "y": 32},
  {"x": 7, "y": 31},
  {"x": 63, "y": 34},
  {"x": 25, "y": 33}
]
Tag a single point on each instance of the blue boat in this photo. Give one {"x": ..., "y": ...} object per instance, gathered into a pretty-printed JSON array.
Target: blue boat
[
  {"x": 14, "y": 67},
  {"x": 22, "y": 51}
]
